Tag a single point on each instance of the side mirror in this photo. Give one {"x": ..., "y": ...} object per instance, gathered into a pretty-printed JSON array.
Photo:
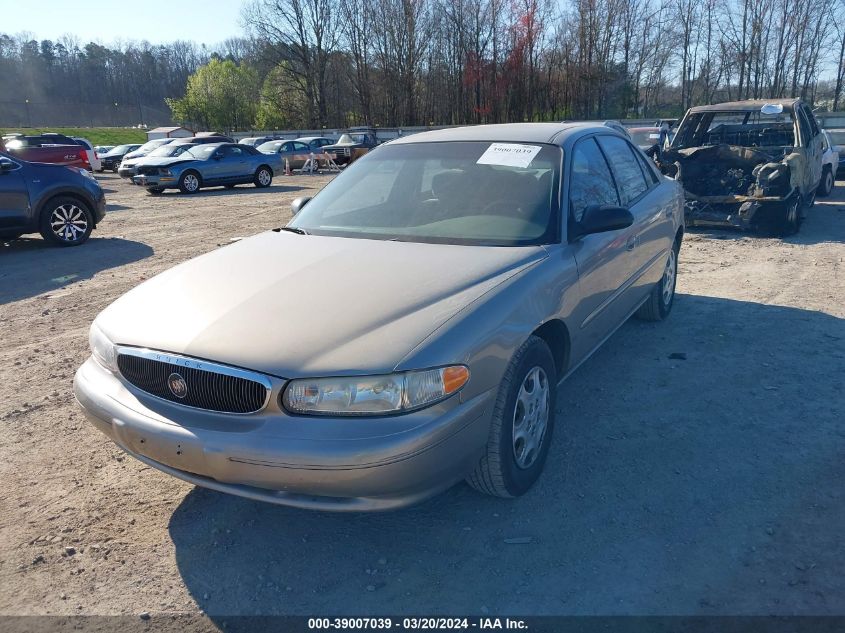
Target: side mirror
[
  {"x": 298, "y": 203},
  {"x": 599, "y": 218},
  {"x": 6, "y": 165}
]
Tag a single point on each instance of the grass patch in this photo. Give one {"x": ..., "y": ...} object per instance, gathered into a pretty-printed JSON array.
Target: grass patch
[{"x": 97, "y": 135}]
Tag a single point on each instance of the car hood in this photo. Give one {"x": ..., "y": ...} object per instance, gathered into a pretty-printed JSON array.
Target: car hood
[
  {"x": 165, "y": 161},
  {"x": 296, "y": 306}
]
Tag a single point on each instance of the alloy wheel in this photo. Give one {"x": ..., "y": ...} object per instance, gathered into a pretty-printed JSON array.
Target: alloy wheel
[
  {"x": 264, "y": 177},
  {"x": 531, "y": 417},
  {"x": 191, "y": 182},
  {"x": 68, "y": 222},
  {"x": 669, "y": 277}
]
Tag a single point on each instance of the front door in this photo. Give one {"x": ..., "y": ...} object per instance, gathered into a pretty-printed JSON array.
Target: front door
[
  {"x": 605, "y": 260},
  {"x": 14, "y": 196}
]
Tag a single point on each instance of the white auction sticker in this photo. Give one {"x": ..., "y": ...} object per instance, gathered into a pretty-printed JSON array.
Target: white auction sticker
[{"x": 509, "y": 154}]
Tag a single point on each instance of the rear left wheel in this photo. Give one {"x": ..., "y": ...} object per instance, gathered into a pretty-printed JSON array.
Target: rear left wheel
[{"x": 522, "y": 424}]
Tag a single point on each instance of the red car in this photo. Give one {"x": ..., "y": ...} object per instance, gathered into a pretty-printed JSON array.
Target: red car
[{"x": 57, "y": 149}]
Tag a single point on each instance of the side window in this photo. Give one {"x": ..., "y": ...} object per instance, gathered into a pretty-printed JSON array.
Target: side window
[
  {"x": 811, "y": 119},
  {"x": 286, "y": 147},
  {"x": 591, "y": 181},
  {"x": 626, "y": 169},
  {"x": 804, "y": 126},
  {"x": 648, "y": 171},
  {"x": 300, "y": 147}
]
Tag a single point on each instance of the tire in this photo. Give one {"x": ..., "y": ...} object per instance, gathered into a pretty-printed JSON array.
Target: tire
[
  {"x": 789, "y": 218},
  {"x": 662, "y": 297},
  {"x": 826, "y": 184},
  {"x": 263, "y": 177},
  {"x": 190, "y": 182},
  {"x": 509, "y": 467},
  {"x": 155, "y": 191},
  {"x": 66, "y": 221}
]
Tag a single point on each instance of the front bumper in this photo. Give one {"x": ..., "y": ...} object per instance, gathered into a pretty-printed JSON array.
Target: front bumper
[
  {"x": 323, "y": 465},
  {"x": 126, "y": 172},
  {"x": 154, "y": 180},
  {"x": 742, "y": 212}
]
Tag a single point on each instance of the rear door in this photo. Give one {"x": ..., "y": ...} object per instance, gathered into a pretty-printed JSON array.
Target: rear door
[
  {"x": 605, "y": 260},
  {"x": 652, "y": 208},
  {"x": 301, "y": 153},
  {"x": 14, "y": 198}
]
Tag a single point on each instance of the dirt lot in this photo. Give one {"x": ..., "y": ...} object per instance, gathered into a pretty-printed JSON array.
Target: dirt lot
[{"x": 698, "y": 465}]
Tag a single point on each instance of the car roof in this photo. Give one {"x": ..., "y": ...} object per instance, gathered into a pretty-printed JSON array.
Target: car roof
[
  {"x": 749, "y": 104},
  {"x": 555, "y": 133},
  {"x": 306, "y": 139}
]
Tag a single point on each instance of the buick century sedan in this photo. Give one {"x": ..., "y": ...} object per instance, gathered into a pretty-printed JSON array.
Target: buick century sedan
[
  {"x": 406, "y": 330},
  {"x": 208, "y": 165}
]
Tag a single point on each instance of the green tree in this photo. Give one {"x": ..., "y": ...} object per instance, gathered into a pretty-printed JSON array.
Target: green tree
[
  {"x": 282, "y": 104},
  {"x": 220, "y": 95}
]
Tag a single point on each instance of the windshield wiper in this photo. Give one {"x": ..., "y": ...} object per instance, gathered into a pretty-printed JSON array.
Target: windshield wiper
[{"x": 293, "y": 229}]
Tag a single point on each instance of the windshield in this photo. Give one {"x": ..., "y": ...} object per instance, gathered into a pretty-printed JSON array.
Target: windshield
[
  {"x": 498, "y": 194},
  {"x": 170, "y": 150},
  {"x": 744, "y": 129},
  {"x": 270, "y": 147},
  {"x": 645, "y": 137},
  {"x": 202, "y": 151},
  {"x": 837, "y": 137},
  {"x": 151, "y": 145}
]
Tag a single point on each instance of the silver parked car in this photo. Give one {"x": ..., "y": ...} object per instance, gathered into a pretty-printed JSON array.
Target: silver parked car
[{"x": 406, "y": 330}]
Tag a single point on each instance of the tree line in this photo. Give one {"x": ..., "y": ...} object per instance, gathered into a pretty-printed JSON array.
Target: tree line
[{"x": 332, "y": 63}]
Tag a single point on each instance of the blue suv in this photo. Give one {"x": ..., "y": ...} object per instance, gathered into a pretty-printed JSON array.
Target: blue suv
[{"x": 64, "y": 204}]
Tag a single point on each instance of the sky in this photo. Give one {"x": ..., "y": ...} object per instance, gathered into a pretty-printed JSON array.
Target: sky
[{"x": 203, "y": 21}]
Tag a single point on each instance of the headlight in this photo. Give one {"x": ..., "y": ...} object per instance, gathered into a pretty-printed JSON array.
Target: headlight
[
  {"x": 165, "y": 172},
  {"x": 374, "y": 395},
  {"x": 102, "y": 348}
]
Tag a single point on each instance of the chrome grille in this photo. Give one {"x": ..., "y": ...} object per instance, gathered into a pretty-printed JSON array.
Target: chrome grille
[
  {"x": 208, "y": 385},
  {"x": 146, "y": 170}
]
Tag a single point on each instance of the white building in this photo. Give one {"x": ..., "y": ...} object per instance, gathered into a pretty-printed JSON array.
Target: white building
[{"x": 169, "y": 132}]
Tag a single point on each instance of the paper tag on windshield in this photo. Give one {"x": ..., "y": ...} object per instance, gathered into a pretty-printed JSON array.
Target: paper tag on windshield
[{"x": 509, "y": 155}]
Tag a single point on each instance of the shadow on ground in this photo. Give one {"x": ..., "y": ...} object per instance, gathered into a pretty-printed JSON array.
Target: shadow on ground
[
  {"x": 240, "y": 189},
  {"x": 46, "y": 267},
  {"x": 825, "y": 222},
  {"x": 710, "y": 485}
]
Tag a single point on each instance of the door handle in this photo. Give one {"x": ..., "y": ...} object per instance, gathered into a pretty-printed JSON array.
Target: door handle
[{"x": 632, "y": 242}]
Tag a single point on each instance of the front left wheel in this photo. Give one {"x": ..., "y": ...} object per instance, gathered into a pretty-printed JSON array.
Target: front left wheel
[
  {"x": 190, "y": 182},
  {"x": 66, "y": 221},
  {"x": 522, "y": 424}
]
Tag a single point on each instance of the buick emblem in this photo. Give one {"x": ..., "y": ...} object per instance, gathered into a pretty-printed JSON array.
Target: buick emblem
[{"x": 177, "y": 385}]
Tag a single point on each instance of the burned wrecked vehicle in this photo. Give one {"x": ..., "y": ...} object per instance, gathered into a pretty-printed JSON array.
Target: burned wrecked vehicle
[{"x": 749, "y": 164}]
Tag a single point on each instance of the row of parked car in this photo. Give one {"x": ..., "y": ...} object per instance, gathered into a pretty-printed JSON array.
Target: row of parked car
[{"x": 752, "y": 165}]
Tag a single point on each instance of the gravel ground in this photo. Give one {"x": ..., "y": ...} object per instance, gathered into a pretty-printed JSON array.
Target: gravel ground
[{"x": 697, "y": 466}]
